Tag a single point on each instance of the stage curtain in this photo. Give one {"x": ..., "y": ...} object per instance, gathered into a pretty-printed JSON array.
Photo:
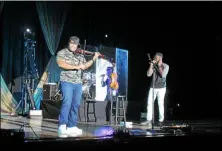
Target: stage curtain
[
  {"x": 1, "y": 7},
  {"x": 8, "y": 103},
  {"x": 11, "y": 44},
  {"x": 11, "y": 55},
  {"x": 52, "y": 16}
]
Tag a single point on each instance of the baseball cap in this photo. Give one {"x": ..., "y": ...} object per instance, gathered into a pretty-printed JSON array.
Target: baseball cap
[{"x": 74, "y": 39}]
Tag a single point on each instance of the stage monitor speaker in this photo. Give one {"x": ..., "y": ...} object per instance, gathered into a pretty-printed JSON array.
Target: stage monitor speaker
[
  {"x": 8, "y": 136},
  {"x": 50, "y": 109},
  {"x": 49, "y": 90}
]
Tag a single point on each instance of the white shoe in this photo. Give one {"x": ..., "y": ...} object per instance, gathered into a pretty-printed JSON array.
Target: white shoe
[
  {"x": 74, "y": 131},
  {"x": 62, "y": 132}
]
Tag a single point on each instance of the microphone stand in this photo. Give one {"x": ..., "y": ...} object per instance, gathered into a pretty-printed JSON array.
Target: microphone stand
[
  {"x": 155, "y": 70},
  {"x": 153, "y": 84}
]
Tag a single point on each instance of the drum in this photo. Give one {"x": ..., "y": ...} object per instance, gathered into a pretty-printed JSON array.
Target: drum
[
  {"x": 94, "y": 77},
  {"x": 89, "y": 90},
  {"x": 92, "y": 91},
  {"x": 87, "y": 76},
  {"x": 85, "y": 87}
]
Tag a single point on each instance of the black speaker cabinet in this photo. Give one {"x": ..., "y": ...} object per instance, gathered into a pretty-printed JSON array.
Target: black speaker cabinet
[{"x": 49, "y": 90}]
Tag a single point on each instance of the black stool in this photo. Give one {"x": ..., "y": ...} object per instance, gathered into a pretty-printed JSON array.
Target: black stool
[
  {"x": 92, "y": 102},
  {"x": 119, "y": 107}
]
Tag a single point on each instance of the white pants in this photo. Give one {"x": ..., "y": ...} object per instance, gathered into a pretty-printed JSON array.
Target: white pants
[{"x": 159, "y": 94}]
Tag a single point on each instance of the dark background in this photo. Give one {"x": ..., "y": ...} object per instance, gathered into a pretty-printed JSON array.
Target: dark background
[{"x": 188, "y": 34}]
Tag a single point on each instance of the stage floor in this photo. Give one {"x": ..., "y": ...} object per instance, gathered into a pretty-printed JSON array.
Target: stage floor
[{"x": 47, "y": 128}]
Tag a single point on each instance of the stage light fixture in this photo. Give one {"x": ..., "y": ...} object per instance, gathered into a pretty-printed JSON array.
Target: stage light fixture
[
  {"x": 28, "y": 30},
  {"x": 30, "y": 73}
]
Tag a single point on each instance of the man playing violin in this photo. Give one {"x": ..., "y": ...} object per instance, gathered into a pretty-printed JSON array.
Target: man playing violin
[
  {"x": 160, "y": 70},
  {"x": 72, "y": 65}
]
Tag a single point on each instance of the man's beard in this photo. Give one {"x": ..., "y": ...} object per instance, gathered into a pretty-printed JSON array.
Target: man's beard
[{"x": 70, "y": 49}]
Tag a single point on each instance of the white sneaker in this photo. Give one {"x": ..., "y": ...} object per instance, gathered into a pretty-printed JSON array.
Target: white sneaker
[
  {"x": 62, "y": 132},
  {"x": 74, "y": 131}
]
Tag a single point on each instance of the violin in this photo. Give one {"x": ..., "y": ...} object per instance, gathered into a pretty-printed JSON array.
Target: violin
[
  {"x": 114, "y": 84},
  {"x": 85, "y": 52}
]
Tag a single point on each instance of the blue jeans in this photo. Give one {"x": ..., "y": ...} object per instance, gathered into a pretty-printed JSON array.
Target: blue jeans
[{"x": 72, "y": 94}]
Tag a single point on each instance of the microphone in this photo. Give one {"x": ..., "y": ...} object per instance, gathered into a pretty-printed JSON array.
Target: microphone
[{"x": 151, "y": 61}]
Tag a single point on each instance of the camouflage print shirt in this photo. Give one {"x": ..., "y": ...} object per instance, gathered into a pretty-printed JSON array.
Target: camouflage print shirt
[{"x": 73, "y": 76}]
